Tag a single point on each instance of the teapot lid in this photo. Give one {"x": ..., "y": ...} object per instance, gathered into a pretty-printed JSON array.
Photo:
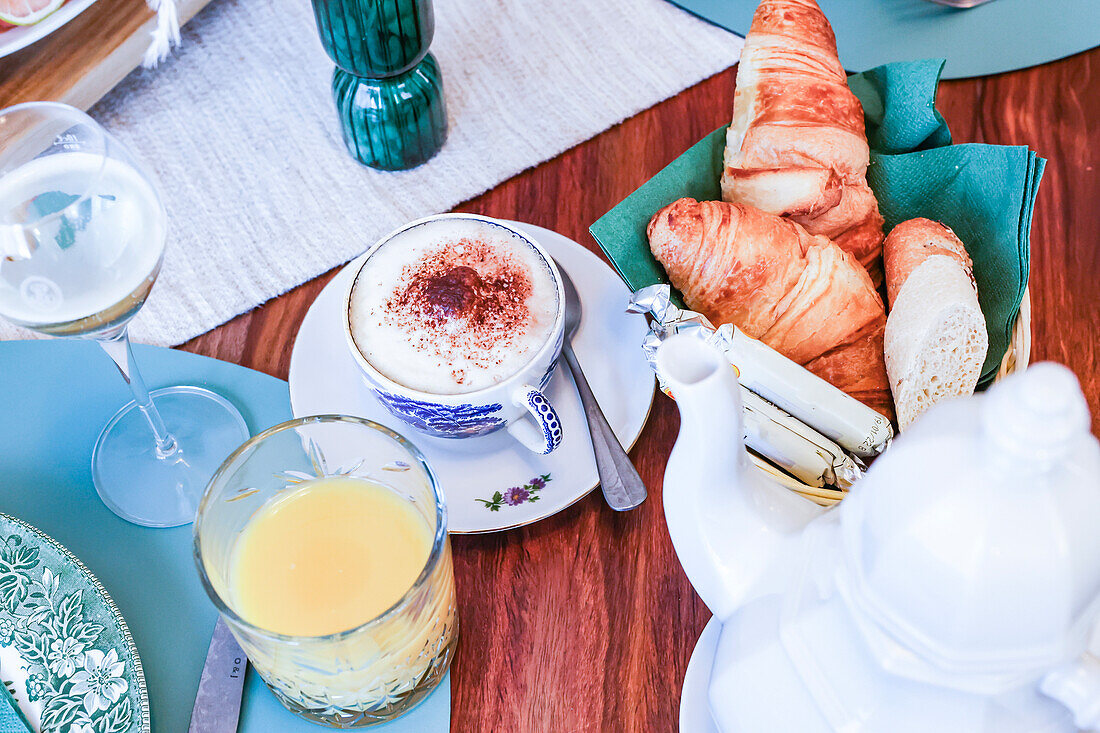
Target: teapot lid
[{"x": 972, "y": 542}]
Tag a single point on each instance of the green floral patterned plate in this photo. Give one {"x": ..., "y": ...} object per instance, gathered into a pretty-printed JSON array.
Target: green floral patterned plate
[{"x": 66, "y": 655}]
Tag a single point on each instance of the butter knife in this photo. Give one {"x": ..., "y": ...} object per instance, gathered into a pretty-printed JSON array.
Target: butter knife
[{"x": 218, "y": 702}]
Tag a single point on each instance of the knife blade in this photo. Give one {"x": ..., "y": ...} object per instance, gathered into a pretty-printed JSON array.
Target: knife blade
[{"x": 218, "y": 701}]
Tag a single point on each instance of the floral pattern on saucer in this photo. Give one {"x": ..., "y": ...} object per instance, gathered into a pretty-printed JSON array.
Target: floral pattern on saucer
[
  {"x": 65, "y": 653},
  {"x": 517, "y": 494}
]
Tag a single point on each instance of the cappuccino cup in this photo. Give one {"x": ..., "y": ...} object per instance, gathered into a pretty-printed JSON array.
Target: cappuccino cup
[{"x": 456, "y": 322}]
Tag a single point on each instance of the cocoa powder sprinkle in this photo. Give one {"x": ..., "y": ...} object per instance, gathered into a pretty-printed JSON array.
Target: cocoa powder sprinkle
[{"x": 469, "y": 297}]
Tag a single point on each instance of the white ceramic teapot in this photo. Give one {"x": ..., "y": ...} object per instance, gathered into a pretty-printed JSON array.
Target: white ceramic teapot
[{"x": 954, "y": 590}]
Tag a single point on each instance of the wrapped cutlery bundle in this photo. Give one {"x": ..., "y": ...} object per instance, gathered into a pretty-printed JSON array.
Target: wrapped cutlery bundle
[{"x": 795, "y": 420}]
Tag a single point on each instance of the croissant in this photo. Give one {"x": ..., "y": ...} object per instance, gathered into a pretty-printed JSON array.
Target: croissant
[
  {"x": 795, "y": 291},
  {"x": 797, "y": 145}
]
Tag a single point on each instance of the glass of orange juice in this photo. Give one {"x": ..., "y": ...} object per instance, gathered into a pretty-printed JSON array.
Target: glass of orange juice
[{"x": 323, "y": 543}]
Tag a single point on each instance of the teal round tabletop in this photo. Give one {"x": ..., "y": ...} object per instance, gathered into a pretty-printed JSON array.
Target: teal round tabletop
[
  {"x": 999, "y": 36},
  {"x": 56, "y": 397}
]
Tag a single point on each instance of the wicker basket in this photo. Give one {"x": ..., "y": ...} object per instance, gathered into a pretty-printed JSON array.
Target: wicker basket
[{"x": 1015, "y": 359}]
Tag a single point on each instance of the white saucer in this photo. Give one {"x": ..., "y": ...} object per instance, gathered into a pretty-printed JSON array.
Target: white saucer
[
  {"x": 325, "y": 379},
  {"x": 694, "y": 707}
]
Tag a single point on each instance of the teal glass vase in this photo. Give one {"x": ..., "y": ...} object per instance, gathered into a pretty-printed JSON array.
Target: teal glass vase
[
  {"x": 393, "y": 123},
  {"x": 387, "y": 87}
]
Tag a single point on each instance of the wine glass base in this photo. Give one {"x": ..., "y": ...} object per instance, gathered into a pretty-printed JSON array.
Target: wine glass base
[{"x": 145, "y": 489}]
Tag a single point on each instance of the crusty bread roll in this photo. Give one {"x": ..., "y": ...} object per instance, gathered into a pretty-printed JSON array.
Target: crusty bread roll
[
  {"x": 798, "y": 293},
  {"x": 936, "y": 338},
  {"x": 797, "y": 146}
]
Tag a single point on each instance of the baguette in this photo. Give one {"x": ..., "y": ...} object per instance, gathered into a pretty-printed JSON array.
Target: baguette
[{"x": 935, "y": 340}]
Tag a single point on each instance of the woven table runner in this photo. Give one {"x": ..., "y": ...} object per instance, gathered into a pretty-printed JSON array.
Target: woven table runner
[{"x": 240, "y": 129}]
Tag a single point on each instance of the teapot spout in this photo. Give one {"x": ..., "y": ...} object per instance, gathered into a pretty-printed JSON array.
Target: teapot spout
[
  {"x": 709, "y": 399},
  {"x": 734, "y": 529}
]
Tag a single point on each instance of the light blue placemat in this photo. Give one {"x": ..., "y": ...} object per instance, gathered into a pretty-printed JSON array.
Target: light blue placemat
[
  {"x": 11, "y": 720},
  {"x": 54, "y": 398},
  {"x": 1001, "y": 35}
]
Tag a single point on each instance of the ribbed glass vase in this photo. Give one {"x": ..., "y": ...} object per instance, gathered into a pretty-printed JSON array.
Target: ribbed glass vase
[
  {"x": 393, "y": 123},
  {"x": 387, "y": 87}
]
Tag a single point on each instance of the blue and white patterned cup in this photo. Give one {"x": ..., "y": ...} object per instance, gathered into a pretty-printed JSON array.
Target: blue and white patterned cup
[{"x": 518, "y": 403}]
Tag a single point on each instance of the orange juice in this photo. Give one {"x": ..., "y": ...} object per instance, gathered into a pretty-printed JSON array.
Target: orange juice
[{"x": 327, "y": 557}]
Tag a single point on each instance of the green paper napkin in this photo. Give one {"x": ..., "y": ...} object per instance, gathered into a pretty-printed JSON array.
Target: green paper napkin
[
  {"x": 899, "y": 106},
  {"x": 986, "y": 193},
  {"x": 621, "y": 231}
]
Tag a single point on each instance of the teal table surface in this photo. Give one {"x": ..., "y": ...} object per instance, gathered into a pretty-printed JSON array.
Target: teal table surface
[
  {"x": 999, "y": 36},
  {"x": 55, "y": 396}
]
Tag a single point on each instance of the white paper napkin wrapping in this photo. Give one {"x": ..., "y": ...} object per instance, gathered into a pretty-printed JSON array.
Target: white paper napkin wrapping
[{"x": 240, "y": 129}]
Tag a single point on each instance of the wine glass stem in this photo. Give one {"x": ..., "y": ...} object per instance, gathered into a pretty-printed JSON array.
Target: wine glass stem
[{"x": 119, "y": 349}]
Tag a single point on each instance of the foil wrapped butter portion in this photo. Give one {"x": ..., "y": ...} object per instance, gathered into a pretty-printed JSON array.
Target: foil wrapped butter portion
[
  {"x": 843, "y": 419},
  {"x": 774, "y": 433},
  {"x": 795, "y": 447}
]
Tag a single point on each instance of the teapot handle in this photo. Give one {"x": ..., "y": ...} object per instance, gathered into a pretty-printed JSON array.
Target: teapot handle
[{"x": 1077, "y": 686}]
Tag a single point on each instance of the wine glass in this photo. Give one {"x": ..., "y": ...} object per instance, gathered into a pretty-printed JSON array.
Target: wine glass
[{"x": 82, "y": 233}]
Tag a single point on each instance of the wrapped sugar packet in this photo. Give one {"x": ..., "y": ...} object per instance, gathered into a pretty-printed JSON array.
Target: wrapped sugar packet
[{"x": 842, "y": 418}]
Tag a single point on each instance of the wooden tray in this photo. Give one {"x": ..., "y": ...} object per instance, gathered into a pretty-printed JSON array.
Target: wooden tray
[{"x": 84, "y": 59}]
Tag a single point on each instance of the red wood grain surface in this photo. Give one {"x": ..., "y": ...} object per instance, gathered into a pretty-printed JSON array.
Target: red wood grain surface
[{"x": 585, "y": 621}]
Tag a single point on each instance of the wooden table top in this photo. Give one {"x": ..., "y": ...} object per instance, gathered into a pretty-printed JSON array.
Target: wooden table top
[
  {"x": 85, "y": 58},
  {"x": 585, "y": 621}
]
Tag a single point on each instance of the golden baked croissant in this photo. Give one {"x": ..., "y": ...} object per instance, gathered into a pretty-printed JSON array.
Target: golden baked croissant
[
  {"x": 797, "y": 145},
  {"x": 797, "y": 292}
]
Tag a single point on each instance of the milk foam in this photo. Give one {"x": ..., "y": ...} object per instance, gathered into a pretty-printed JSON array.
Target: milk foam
[{"x": 433, "y": 355}]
